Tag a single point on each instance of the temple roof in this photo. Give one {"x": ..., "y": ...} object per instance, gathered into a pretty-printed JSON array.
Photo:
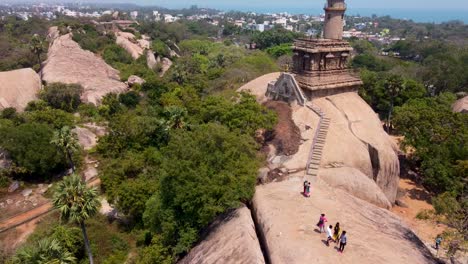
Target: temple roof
[
  {"x": 328, "y": 81},
  {"x": 321, "y": 45}
]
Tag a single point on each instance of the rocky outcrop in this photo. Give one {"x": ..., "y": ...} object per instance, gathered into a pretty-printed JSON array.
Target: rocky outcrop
[
  {"x": 356, "y": 183},
  {"x": 86, "y": 137},
  {"x": 68, "y": 63},
  {"x": 165, "y": 66},
  {"x": 127, "y": 41},
  {"x": 231, "y": 239},
  {"x": 461, "y": 106},
  {"x": 53, "y": 33},
  {"x": 355, "y": 140},
  {"x": 287, "y": 221},
  {"x": 18, "y": 88},
  {"x": 133, "y": 79},
  {"x": 151, "y": 61},
  {"x": 258, "y": 86}
]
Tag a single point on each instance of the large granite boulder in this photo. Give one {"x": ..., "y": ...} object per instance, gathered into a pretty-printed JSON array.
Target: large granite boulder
[
  {"x": 287, "y": 221},
  {"x": 127, "y": 41},
  {"x": 18, "y": 88},
  {"x": 231, "y": 240},
  {"x": 355, "y": 141},
  {"x": 461, "y": 106},
  {"x": 356, "y": 183},
  {"x": 68, "y": 63}
]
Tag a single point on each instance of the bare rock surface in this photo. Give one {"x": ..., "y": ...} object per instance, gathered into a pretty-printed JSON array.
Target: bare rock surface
[
  {"x": 151, "y": 61},
  {"x": 68, "y": 63},
  {"x": 258, "y": 87},
  {"x": 86, "y": 137},
  {"x": 127, "y": 41},
  {"x": 461, "y": 106},
  {"x": 356, "y": 183},
  {"x": 287, "y": 220},
  {"x": 355, "y": 138},
  {"x": 53, "y": 33},
  {"x": 133, "y": 79},
  {"x": 165, "y": 66},
  {"x": 231, "y": 240},
  {"x": 18, "y": 88}
]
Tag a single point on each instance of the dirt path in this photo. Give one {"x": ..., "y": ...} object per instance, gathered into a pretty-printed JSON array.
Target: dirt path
[
  {"x": 34, "y": 213},
  {"x": 25, "y": 217}
]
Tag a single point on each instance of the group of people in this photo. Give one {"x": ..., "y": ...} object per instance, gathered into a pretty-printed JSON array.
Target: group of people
[{"x": 337, "y": 235}]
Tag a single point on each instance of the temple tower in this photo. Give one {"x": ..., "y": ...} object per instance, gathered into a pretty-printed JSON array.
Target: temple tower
[
  {"x": 334, "y": 19},
  {"x": 320, "y": 66}
]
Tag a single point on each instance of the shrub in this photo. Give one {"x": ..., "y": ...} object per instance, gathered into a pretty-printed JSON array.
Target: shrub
[
  {"x": 424, "y": 215},
  {"x": 130, "y": 99},
  {"x": 62, "y": 96}
]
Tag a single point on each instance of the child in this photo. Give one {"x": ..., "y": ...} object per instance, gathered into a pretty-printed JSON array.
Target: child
[
  {"x": 337, "y": 233},
  {"x": 343, "y": 240},
  {"x": 329, "y": 235},
  {"x": 321, "y": 222}
]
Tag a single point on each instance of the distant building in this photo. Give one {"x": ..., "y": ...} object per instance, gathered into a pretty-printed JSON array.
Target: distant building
[{"x": 134, "y": 14}]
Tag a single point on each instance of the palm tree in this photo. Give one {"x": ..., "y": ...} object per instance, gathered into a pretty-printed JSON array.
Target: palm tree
[
  {"x": 66, "y": 140},
  {"x": 393, "y": 85},
  {"x": 76, "y": 203},
  {"x": 175, "y": 117},
  {"x": 37, "y": 47},
  {"x": 44, "y": 251}
]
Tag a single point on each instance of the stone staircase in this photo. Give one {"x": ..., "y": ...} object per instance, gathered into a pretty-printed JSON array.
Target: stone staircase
[{"x": 315, "y": 155}]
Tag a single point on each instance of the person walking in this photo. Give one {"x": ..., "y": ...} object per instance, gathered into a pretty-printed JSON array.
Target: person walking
[
  {"x": 321, "y": 223},
  {"x": 336, "y": 233},
  {"x": 438, "y": 241},
  {"x": 329, "y": 235},
  {"x": 343, "y": 241}
]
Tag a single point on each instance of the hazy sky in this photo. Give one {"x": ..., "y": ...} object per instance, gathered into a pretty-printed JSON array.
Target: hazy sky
[
  {"x": 423, "y": 4},
  {"x": 242, "y": 4}
]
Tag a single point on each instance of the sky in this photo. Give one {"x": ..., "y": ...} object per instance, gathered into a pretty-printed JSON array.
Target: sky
[
  {"x": 394, "y": 4},
  {"x": 379, "y": 4},
  {"x": 418, "y": 10}
]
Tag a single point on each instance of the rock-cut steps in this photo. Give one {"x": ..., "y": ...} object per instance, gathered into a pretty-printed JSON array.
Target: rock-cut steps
[{"x": 318, "y": 143}]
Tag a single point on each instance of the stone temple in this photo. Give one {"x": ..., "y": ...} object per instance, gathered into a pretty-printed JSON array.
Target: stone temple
[{"x": 320, "y": 66}]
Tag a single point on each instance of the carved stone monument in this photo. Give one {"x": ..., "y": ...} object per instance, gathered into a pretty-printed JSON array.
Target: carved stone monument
[{"x": 320, "y": 66}]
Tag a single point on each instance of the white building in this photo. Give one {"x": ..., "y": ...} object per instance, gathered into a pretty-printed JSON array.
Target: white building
[{"x": 134, "y": 14}]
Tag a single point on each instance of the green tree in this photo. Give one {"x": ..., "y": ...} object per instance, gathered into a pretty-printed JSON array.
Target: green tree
[
  {"x": 214, "y": 172},
  {"x": 67, "y": 141},
  {"x": 37, "y": 48},
  {"x": 76, "y": 203},
  {"x": 30, "y": 148},
  {"x": 438, "y": 137},
  {"x": 393, "y": 86}
]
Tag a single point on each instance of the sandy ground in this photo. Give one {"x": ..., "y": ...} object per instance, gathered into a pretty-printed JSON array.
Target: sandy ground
[{"x": 417, "y": 199}]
